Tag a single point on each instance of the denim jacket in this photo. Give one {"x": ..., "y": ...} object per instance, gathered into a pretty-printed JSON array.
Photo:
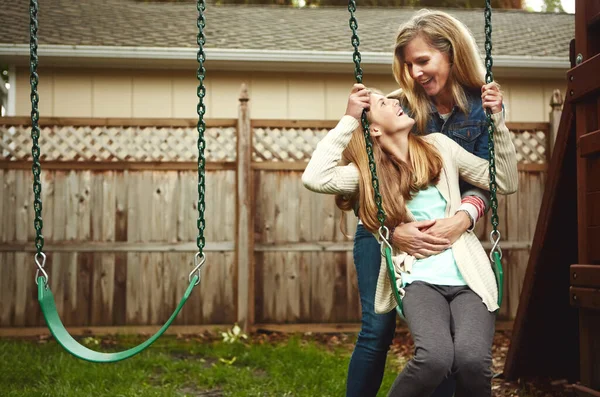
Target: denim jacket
[{"x": 469, "y": 131}]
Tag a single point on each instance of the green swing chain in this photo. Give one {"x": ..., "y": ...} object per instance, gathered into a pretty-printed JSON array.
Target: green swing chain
[
  {"x": 384, "y": 233},
  {"x": 45, "y": 296},
  {"x": 496, "y": 252},
  {"x": 38, "y": 223},
  {"x": 201, "y": 127},
  {"x": 358, "y": 74},
  {"x": 40, "y": 257},
  {"x": 489, "y": 77}
]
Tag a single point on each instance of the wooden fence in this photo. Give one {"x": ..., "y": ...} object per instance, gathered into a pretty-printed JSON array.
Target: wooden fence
[{"x": 120, "y": 213}]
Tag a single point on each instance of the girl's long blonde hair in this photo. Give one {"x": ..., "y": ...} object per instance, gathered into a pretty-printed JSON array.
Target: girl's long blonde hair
[
  {"x": 448, "y": 35},
  {"x": 398, "y": 180}
]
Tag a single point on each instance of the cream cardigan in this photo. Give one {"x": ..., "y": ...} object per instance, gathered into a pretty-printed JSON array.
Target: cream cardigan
[{"x": 324, "y": 175}]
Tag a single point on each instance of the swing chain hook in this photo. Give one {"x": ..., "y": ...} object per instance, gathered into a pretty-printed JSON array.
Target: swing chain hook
[
  {"x": 384, "y": 236},
  {"x": 199, "y": 261},
  {"x": 40, "y": 264},
  {"x": 495, "y": 240}
]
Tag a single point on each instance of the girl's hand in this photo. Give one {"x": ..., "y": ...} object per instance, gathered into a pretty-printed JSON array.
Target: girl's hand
[
  {"x": 413, "y": 239},
  {"x": 491, "y": 97},
  {"x": 450, "y": 228},
  {"x": 358, "y": 100}
]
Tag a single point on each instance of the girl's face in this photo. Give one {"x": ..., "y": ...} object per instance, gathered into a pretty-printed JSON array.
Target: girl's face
[
  {"x": 387, "y": 116},
  {"x": 427, "y": 66}
]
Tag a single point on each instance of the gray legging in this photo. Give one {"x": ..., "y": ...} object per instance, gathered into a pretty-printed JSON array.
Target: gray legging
[{"x": 453, "y": 333}]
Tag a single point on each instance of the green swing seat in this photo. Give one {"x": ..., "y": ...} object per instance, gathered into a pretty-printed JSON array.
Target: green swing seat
[{"x": 62, "y": 336}]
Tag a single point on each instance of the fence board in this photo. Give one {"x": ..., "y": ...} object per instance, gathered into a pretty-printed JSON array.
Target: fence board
[
  {"x": 9, "y": 228},
  {"x": 8, "y": 288},
  {"x": 20, "y": 208},
  {"x": 23, "y": 281},
  {"x": 60, "y": 194},
  {"x": 304, "y": 287},
  {"x": 169, "y": 283},
  {"x": 82, "y": 306},
  {"x": 322, "y": 282},
  {"x": 103, "y": 289},
  {"x": 353, "y": 300},
  {"x": 192, "y": 311},
  {"x": 84, "y": 207},
  {"x": 340, "y": 289},
  {"x": 186, "y": 227}
]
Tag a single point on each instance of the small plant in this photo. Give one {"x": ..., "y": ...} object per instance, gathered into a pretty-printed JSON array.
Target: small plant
[
  {"x": 90, "y": 341},
  {"x": 234, "y": 335},
  {"x": 228, "y": 362}
]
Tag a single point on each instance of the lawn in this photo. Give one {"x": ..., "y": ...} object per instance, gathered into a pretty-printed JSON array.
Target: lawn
[
  {"x": 204, "y": 365},
  {"x": 192, "y": 366}
]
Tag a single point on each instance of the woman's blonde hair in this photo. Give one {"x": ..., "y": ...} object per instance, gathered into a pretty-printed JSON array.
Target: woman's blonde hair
[
  {"x": 448, "y": 35},
  {"x": 398, "y": 180}
]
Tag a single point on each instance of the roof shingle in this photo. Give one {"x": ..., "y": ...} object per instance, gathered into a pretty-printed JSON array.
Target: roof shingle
[{"x": 140, "y": 24}]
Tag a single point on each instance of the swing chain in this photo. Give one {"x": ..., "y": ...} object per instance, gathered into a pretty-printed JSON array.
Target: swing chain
[
  {"x": 201, "y": 127},
  {"x": 36, "y": 168},
  {"x": 358, "y": 74},
  {"x": 489, "y": 77}
]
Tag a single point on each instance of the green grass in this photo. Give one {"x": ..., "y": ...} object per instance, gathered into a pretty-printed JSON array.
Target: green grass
[{"x": 172, "y": 367}]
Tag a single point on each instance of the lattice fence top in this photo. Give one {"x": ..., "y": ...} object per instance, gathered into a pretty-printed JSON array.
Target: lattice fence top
[
  {"x": 530, "y": 146},
  {"x": 177, "y": 144},
  {"x": 277, "y": 144},
  {"x": 285, "y": 144},
  {"x": 135, "y": 144}
]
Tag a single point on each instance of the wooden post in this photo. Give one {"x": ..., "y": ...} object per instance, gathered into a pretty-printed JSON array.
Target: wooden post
[
  {"x": 583, "y": 91},
  {"x": 244, "y": 239},
  {"x": 556, "y": 103}
]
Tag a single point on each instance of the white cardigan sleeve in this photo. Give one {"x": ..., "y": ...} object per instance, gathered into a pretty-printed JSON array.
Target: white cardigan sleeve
[
  {"x": 475, "y": 170},
  {"x": 322, "y": 174}
]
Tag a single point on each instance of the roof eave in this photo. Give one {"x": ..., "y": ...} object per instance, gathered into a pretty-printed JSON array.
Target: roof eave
[{"x": 248, "y": 59}]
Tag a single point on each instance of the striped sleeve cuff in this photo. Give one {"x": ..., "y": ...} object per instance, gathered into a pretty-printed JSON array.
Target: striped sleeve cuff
[{"x": 471, "y": 210}]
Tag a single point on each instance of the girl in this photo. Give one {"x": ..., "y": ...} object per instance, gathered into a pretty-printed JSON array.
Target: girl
[
  {"x": 437, "y": 66},
  {"x": 449, "y": 298}
]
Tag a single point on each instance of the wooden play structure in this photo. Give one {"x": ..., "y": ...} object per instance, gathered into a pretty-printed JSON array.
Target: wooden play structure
[{"x": 557, "y": 328}]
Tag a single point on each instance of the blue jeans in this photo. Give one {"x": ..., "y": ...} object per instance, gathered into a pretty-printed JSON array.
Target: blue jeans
[{"x": 367, "y": 363}]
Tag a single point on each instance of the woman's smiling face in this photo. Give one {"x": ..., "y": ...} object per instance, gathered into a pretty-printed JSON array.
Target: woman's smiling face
[{"x": 427, "y": 66}]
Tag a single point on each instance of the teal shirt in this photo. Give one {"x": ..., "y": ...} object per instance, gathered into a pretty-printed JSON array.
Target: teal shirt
[{"x": 438, "y": 269}]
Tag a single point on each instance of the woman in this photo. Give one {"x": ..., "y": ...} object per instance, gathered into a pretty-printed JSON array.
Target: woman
[
  {"x": 441, "y": 76},
  {"x": 450, "y": 298}
]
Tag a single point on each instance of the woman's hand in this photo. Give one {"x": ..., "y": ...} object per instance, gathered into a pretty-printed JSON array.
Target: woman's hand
[
  {"x": 491, "y": 97},
  {"x": 450, "y": 228},
  {"x": 413, "y": 239},
  {"x": 358, "y": 100}
]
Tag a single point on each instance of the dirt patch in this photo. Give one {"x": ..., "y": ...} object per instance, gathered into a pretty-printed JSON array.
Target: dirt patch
[{"x": 192, "y": 391}]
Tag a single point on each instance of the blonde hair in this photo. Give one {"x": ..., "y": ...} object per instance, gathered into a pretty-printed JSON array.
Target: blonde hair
[
  {"x": 447, "y": 35},
  {"x": 398, "y": 180}
]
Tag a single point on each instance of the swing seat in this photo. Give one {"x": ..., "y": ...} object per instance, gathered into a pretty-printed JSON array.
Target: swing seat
[
  {"x": 62, "y": 336},
  {"x": 499, "y": 273},
  {"x": 392, "y": 277}
]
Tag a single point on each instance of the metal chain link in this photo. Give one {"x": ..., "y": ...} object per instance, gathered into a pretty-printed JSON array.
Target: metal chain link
[
  {"x": 358, "y": 74},
  {"x": 201, "y": 127},
  {"x": 489, "y": 77},
  {"x": 38, "y": 223}
]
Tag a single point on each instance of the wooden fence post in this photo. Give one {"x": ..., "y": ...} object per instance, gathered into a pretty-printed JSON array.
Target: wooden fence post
[
  {"x": 244, "y": 239},
  {"x": 556, "y": 103}
]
